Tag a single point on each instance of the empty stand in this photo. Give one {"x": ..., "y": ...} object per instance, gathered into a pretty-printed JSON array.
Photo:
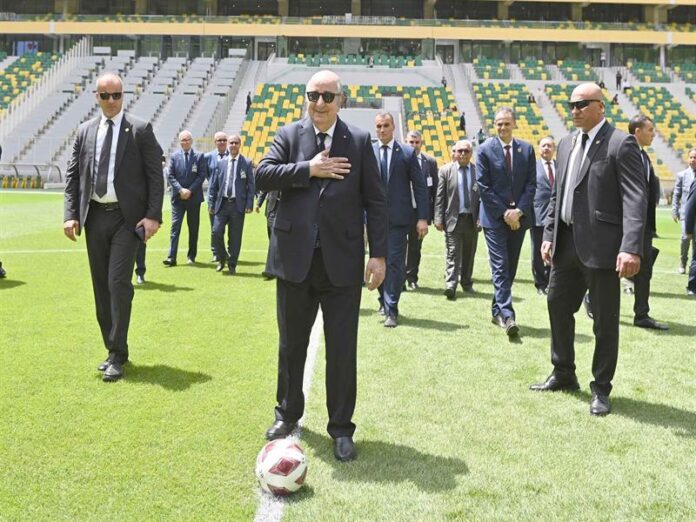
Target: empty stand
[
  {"x": 491, "y": 69},
  {"x": 530, "y": 125},
  {"x": 577, "y": 71},
  {"x": 648, "y": 72},
  {"x": 21, "y": 73}
]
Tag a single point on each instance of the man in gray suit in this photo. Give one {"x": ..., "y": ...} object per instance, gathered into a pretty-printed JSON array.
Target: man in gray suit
[
  {"x": 681, "y": 190},
  {"x": 114, "y": 189},
  {"x": 592, "y": 237},
  {"x": 546, "y": 176},
  {"x": 456, "y": 213}
]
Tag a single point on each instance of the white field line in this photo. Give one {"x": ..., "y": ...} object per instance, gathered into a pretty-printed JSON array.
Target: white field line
[{"x": 270, "y": 508}]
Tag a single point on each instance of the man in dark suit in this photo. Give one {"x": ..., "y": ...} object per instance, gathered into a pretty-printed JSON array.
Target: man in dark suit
[
  {"x": 643, "y": 129},
  {"x": 213, "y": 158},
  {"x": 186, "y": 173},
  {"x": 457, "y": 214},
  {"x": 593, "y": 236},
  {"x": 329, "y": 180},
  {"x": 114, "y": 189},
  {"x": 428, "y": 166},
  {"x": 545, "y": 179},
  {"x": 690, "y": 229},
  {"x": 400, "y": 172},
  {"x": 271, "y": 198},
  {"x": 230, "y": 198},
  {"x": 506, "y": 175}
]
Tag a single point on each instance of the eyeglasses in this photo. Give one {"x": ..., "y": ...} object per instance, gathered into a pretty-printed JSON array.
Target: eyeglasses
[
  {"x": 462, "y": 151},
  {"x": 105, "y": 95},
  {"x": 328, "y": 97},
  {"x": 221, "y": 140},
  {"x": 234, "y": 142},
  {"x": 580, "y": 104}
]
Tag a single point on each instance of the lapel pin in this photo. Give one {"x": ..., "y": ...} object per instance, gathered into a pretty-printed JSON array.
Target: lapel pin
[
  {"x": 126, "y": 129},
  {"x": 519, "y": 149}
]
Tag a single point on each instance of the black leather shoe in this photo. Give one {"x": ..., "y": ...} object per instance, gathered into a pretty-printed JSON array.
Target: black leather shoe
[
  {"x": 103, "y": 366},
  {"x": 113, "y": 372},
  {"x": 498, "y": 321},
  {"x": 391, "y": 322},
  {"x": 451, "y": 293},
  {"x": 649, "y": 322},
  {"x": 588, "y": 306},
  {"x": 553, "y": 384},
  {"x": 413, "y": 285},
  {"x": 280, "y": 429},
  {"x": 190, "y": 261},
  {"x": 599, "y": 405},
  {"x": 468, "y": 289},
  {"x": 169, "y": 262},
  {"x": 542, "y": 291},
  {"x": 381, "y": 311},
  {"x": 220, "y": 267},
  {"x": 140, "y": 280},
  {"x": 344, "y": 449},
  {"x": 3, "y": 274},
  {"x": 511, "y": 328},
  {"x": 231, "y": 271}
]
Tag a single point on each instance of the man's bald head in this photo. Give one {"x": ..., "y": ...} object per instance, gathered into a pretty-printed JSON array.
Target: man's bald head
[
  {"x": 587, "y": 117},
  {"x": 324, "y": 113}
]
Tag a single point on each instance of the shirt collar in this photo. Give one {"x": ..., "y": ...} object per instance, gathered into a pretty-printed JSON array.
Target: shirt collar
[
  {"x": 594, "y": 130},
  {"x": 389, "y": 145},
  {"x": 329, "y": 132},
  {"x": 116, "y": 119},
  {"x": 503, "y": 144}
]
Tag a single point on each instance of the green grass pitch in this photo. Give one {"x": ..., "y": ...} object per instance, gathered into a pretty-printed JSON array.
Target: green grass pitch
[{"x": 447, "y": 429}]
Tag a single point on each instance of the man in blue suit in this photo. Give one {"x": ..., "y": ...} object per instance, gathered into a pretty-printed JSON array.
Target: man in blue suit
[
  {"x": 213, "y": 158},
  {"x": 230, "y": 197},
  {"x": 545, "y": 179},
  {"x": 400, "y": 171},
  {"x": 186, "y": 172},
  {"x": 506, "y": 176}
]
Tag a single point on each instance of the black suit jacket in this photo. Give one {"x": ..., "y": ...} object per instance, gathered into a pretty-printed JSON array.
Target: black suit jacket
[
  {"x": 429, "y": 169},
  {"x": 610, "y": 201},
  {"x": 333, "y": 208},
  {"x": 138, "y": 177},
  {"x": 653, "y": 200},
  {"x": 690, "y": 211}
]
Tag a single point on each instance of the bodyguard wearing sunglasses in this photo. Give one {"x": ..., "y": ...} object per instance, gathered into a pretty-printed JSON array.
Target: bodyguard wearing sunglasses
[
  {"x": 329, "y": 180},
  {"x": 114, "y": 190},
  {"x": 593, "y": 235}
]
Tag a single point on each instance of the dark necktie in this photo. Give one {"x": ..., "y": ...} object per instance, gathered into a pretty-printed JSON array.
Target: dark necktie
[
  {"x": 550, "y": 173},
  {"x": 646, "y": 163},
  {"x": 230, "y": 179},
  {"x": 186, "y": 160},
  {"x": 104, "y": 155},
  {"x": 322, "y": 142},
  {"x": 508, "y": 160},
  {"x": 465, "y": 183},
  {"x": 383, "y": 165}
]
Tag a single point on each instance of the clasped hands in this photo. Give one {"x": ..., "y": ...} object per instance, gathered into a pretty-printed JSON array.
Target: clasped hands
[{"x": 512, "y": 218}]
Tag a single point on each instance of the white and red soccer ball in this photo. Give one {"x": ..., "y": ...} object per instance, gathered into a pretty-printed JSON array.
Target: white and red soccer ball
[{"x": 281, "y": 467}]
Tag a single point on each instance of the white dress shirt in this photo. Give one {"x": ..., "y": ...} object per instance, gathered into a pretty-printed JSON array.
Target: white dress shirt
[{"x": 110, "y": 196}]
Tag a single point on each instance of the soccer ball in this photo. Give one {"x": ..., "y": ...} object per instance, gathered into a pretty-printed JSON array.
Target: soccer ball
[{"x": 281, "y": 467}]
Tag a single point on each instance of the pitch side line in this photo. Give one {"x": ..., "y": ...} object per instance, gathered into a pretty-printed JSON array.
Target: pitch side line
[{"x": 270, "y": 508}]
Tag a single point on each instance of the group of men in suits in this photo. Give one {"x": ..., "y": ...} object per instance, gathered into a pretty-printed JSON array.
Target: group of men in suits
[
  {"x": 681, "y": 196},
  {"x": 230, "y": 196}
]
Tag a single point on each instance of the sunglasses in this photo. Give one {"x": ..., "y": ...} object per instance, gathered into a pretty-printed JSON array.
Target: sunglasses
[
  {"x": 328, "y": 97},
  {"x": 105, "y": 95},
  {"x": 580, "y": 104}
]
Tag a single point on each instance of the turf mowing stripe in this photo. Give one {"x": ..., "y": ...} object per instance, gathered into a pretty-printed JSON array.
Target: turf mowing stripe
[{"x": 270, "y": 508}]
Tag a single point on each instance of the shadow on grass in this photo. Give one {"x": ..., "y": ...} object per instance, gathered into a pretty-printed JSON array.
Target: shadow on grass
[
  {"x": 242, "y": 262},
  {"x": 387, "y": 463},
  {"x": 545, "y": 333},
  {"x": 10, "y": 283},
  {"x": 247, "y": 274},
  {"x": 673, "y": 295},
  {"x": 163, "y": 287},
  {"x": 678, "y": 329},
  {"x": 411, "y": 322},
  {"x": 169, "y": 378},
  {"x": 683, "y": 422},
  {"x": 460, "y": 293}
]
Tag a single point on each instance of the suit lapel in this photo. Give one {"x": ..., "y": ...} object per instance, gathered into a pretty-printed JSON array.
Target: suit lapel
[
  {"x": 562, "y": 173},
  {"x": 123, "y": 137},
  {"x": 454, "y": 180},
  {"x": 594, "y": 147},
  {"x": 339, "y": 147},
  {"x": 91, "y": 141},
  {"x": 308, "y": 140}
]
